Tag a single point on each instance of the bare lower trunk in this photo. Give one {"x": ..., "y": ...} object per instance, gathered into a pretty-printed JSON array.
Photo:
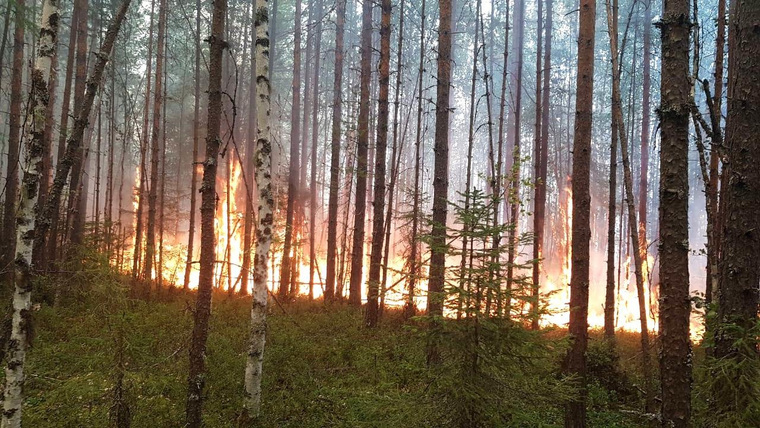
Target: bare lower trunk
[{"x": 196, "y": 140}]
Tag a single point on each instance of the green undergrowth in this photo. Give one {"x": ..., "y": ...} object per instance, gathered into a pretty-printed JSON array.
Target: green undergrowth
[{"x": 322, "y": 369}]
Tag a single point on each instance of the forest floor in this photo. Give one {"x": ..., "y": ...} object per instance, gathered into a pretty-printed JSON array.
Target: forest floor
[{"x": 321, "y": 368}]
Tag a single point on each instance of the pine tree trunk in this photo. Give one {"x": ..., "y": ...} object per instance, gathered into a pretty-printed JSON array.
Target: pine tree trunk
[
  {"x": 286, "y": 268},
  {"x": 378, "y": 223},
  {"x": 575, "y": 361},
  {"x": 513, "y": 137},
  {"x": 14, "y": 134},
  {"x": 362, "y": 146},
  {"x": 609, "y": 296},
  {"x": 47, "y": 252},
  {"x": 739, "y": 266},
  {"x": 77, "y": 202},
  {"x": 539, "y": 181},
  {"x": 332, "y": 205},
  {"x": 196, "y": 377},
  {"x": 155, "y": 147},
  {"x": 265, "y": 219},
  {"x": 633, "y": 226},
  {"x": 645, "y": 101},
  {"x": 249, "y": 171},
  {"x": 438, "y": 246},
  {"x": 36, "y": 121},
  {"x": 314, "y": 148},
  {"x": 409, "y": 308},
  {"x": 675, "y": 357},
  {"x": 196, "y": 142}
]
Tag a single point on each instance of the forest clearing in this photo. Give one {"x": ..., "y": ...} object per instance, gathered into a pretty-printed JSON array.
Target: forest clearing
[{"x": 380, "y": 213}]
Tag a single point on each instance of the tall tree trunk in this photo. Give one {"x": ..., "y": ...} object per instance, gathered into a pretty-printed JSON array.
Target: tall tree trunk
[
  {"x": 675, "y": 357},
  {"x": 47, "y": 252},
  {"x": 196, "y": 142},
  {"x": 362, "y": 145},
  {"x": 502, "y": 116},
  {"x": 197, "y": 375},
  {"x": 36, "y": 121},
  {"x": 713, "y": 226},
  {"x": 249, "y": 170},
  {"x": 376, "y": 254},
  {"x": 609, "y": 296},
  {"x": 440, "y": 179},
  {"x": 255, "y": 357},
  {"x": 14, "y": 134},
  {"x": 645, "y": 101},
  {"x": 314, "y": 145},
  {"x": 142, "y": 182},
  {"x": 630, "y": 204},
  {"x": 539, "y": 182},
  {"x": 575, "y": 361},
  {"x": 337, "y": 113},
  {"x": 286, "y": 268},
  {"x": 395, "y": 156},
  {"x": 155, "y": 146},
  {"x": 513, "y": 136},
  {"x": 739, "y": 261},
  {"x": 409, "y": 308},
  {"x": 77, "y": 203}
]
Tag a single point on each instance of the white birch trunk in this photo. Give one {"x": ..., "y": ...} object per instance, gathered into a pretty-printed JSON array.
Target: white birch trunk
[
  {"x": 25, "y": 215},
  {"x": 265, "y": 218}
]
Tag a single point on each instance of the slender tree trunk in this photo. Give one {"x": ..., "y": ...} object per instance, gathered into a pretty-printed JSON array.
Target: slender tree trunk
[
  {"x": 539, "y": 181},
  {"x": 137, "y": 251},
  {"x": 513, "y": 136},
  {"x": 48, "y": 252},
  {"x": 414, "y": 264},
  {"x": 440, "y": 179},
  {"x": 645, "y": 101},
  {"x": 362, "y": 145},
  {"x": 155, "y": 146},
  {"x": 575, "y": 362},
  {"x": 314, "y": 145},
  {"x": 609, "y": 300},
  {"x": 502, "y": 116},
  {"x": 630, "y": 203},
  {"x": 395, "y": 156},
  {"x": 36, "y": 120},
  {"x": 77, "y": 204},
  {"x": 249, "y": 171},
  {"x": 332, "y": 209},
  {"x": 376, "y": 254},
  {"x": 713, "y": 226},
  {"x": 286, "y": 268},
  {"x": 675, "y": 357},
  {"x": 14, "y": 134},
  {"x": 196, "y": 377},
  {"x": 196, "y": 142},
  {"x": 265, "y": 219}
]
